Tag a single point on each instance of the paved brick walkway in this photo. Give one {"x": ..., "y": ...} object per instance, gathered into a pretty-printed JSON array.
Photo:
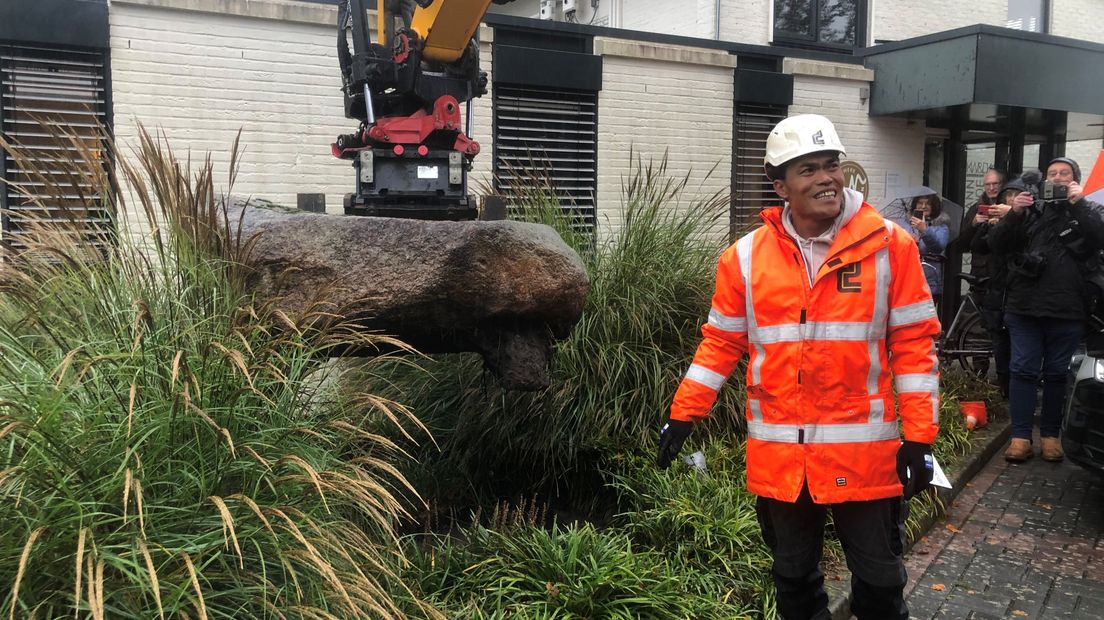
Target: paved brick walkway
[{"x": 1020, "y": 541}]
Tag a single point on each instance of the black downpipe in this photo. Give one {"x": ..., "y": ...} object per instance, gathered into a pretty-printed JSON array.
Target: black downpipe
[{"x": 344, "y": 58}]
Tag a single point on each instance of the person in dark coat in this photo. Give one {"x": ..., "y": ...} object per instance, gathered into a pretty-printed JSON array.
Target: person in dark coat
[
  {"x": 1046, "y": 243},
  {"x": 975, "y": 225},
  {"x": 990, "y": 296},
  {"x": 992, "y": 189}
]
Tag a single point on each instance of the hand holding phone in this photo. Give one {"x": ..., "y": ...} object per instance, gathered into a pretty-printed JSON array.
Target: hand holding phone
[
  {"x": 983, "y": 210},
  {"x": 919, "y": 222}
]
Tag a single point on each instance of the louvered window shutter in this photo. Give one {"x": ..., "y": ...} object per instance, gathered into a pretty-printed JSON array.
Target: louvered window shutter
[
  {"x": 64, "y": 88},
  {"x": 551, "y": 134},
  {"x": 753, "y": 191}
]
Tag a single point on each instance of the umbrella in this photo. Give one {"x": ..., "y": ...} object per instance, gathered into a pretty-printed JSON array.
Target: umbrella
[
  {"x": 1094, "y": 185},
  {"x": 897, "y": 210}
]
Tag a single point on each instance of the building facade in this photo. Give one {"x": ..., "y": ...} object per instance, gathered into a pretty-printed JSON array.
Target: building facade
[{"x": 584, "y": 86}]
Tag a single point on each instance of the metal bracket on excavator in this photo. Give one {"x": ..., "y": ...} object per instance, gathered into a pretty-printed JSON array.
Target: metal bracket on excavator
[
  {"x": 423, "y": 184},
  {"x": 412, "y": 152}
]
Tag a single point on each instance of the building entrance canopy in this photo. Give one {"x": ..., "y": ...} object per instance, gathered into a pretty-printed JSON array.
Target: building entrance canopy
[
  {"x": 931, "y": 76},
  {"x": 984, "y": 84}
]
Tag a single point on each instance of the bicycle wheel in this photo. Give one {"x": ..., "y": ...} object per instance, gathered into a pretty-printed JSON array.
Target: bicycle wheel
[{"x": 973, "y": 347}]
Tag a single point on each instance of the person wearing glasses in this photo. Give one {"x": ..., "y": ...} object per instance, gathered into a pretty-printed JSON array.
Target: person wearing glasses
[
  {"x": 1049, "y": 239},
  {"x": 983, "y": 264}
]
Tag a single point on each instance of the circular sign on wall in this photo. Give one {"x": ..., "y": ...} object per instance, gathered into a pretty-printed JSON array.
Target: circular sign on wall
[{"x": 855, "y": 177}]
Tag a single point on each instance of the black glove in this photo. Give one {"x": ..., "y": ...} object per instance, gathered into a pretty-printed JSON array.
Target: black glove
[
  {"x": 671, "y": 438},
  {"x": 915, "y": 467}
]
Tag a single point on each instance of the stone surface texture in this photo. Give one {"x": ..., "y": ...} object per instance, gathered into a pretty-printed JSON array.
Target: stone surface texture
[{"x": 507, "y": 290}]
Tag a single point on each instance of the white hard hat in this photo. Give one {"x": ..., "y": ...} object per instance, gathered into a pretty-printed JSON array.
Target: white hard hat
[{"x": 800, "y": 135}]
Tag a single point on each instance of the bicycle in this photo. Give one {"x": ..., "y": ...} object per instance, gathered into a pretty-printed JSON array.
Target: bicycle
[{"x": 967, "y": 340}]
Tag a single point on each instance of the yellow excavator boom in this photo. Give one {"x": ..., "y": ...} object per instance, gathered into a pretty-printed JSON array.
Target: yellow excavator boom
[{"x": 446, "y": 26}]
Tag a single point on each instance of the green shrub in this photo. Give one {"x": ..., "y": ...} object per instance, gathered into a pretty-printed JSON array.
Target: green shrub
[
  {"x": 612, "y": 379},
  {"x": 168, "y": 448}
]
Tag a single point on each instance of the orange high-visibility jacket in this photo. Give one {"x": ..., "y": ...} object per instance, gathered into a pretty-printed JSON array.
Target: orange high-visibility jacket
[{"x": 824, "y": 358}]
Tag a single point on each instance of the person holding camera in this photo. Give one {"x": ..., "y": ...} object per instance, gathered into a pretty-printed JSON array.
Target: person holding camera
[
  {"x": 829, "y": 302},
  {"x": 990, "y": 296},
  {"x": 976, "y": 220},
  {"x": 931, "y": 228},
  {"x": 1049, "y": 234},
  {"x": 987, "y": 293}
]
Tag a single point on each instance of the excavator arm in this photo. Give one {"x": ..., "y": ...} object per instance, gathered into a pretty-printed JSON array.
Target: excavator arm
[
  {"x": 447, "y": 27},
  {"x": 412, "y": 150}
]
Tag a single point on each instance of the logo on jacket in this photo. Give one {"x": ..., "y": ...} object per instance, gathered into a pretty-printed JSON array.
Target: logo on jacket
[
  {"x": 848, "y": 278},
  {"x": 818, "y": 137},
  {"x": 841, "y": 481}
]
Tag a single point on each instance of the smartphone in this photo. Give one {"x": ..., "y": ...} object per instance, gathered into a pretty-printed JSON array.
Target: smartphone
[
  {"x": 983, "y": 210},
  {"x": 918, "y": 214}
]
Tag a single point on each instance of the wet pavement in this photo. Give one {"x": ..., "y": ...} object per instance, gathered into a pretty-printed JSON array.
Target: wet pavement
[{"x": 1018, "y": 541}]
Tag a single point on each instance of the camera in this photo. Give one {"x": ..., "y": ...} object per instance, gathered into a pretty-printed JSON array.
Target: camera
[
  {"x": 1052, "y": 192},
  {"x": 1027, "y": 264}
]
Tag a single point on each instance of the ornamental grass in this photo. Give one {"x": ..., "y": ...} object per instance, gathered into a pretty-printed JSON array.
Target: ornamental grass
[
  {"x": 611, "y": 379},
  {"x": 168, "y": 446}
]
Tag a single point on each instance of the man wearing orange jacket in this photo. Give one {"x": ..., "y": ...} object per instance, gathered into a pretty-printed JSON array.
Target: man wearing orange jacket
[{"x": 829, "y": 301}]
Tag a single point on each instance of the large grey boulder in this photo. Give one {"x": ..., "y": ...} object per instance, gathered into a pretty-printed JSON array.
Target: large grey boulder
[{"x": 504, "y": 289}]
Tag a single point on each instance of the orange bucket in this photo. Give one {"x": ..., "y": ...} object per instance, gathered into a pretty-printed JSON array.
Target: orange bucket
[{"x": 973, "y": 412}]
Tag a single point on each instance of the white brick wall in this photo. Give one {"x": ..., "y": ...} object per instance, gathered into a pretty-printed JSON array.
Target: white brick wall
[
  {"x": 651, "y": 107},
  {"x": 482, "y": 122},
  {"x": 518, "y": 8},
  {"x": 901, "y": 19},
  {"x": 199, "y": 77},
  {"x": 688, "y": 18},
  {"x": 1079, "y": 19},
  {"x": 879, "y": 145},
  {"x": 746, "y": 21},
  {"x": 584, "y": 12},
  {"x": 749, "y": 21}
]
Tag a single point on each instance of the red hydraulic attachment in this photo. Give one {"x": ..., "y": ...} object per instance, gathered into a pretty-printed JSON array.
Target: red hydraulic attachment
[{"x": 417, "y": 127}]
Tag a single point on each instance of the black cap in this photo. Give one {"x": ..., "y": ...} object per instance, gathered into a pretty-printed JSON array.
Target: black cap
[
  {"x": 1026, "y": 182},
  {"x": 1072, "y": 164}
]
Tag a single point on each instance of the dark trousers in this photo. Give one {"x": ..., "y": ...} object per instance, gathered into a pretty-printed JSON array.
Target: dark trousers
[
  {"x": 872, "y": 537},
  {"x": 1040, "y": 345}
]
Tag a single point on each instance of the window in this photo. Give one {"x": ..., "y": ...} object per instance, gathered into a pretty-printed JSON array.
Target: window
[
  {"x": 753, "y": 192},
  {"x": 548, "y": 136},
  {"x": 1028, "y": 15},
  {"x": 59, "y": 87},
  {"x": 820, "y": 23}
]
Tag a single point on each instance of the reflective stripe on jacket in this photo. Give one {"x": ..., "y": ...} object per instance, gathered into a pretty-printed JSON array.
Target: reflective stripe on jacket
[{"x": 825, "y": 358}]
